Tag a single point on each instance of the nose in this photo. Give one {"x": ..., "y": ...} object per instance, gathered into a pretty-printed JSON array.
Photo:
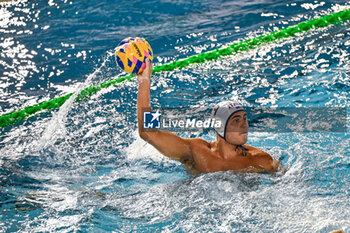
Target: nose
[{"x": 245, "y": 124}]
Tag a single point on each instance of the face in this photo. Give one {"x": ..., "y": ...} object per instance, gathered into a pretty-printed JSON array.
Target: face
[{"x": 237, "y": 129}]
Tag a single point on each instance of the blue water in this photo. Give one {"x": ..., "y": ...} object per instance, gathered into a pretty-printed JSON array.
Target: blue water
[{"x": 83, "y": 168}]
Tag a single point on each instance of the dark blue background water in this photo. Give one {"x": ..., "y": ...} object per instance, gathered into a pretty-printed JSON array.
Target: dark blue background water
[{"x": 83, "y": 167}]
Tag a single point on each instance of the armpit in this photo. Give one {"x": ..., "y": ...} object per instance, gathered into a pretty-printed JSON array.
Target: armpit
[{"x": 188, "y": 162}]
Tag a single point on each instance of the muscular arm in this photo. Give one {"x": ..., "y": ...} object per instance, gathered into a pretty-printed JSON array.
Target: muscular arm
[{"x": 167, "y": 143}]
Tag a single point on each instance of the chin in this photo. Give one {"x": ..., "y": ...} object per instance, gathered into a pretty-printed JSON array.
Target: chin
[
  {"x": 241, "y": 142},
  {"x": 238, "y": 140},
  {"x": 242, "y": 139}
]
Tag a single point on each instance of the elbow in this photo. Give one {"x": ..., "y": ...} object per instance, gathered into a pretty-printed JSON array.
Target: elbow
[
  {"x": 143, "y": 135},
  {"x": 149, "y": 135}
]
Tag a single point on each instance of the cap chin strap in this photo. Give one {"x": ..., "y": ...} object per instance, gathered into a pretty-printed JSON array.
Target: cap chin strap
[{"x": 244, "y": 150}]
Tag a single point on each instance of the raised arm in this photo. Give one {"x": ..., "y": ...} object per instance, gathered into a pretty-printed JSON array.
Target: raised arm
[{"x": 167, "y": 143}]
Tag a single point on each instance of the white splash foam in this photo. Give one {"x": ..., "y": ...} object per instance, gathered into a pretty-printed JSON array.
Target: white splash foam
[
  {"x": 140, "y": 149},
  {"x": 56, "y": 127}
]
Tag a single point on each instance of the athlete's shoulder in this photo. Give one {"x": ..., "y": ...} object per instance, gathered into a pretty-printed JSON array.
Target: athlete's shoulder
[
  {"x": 255, "y": 150},
  {"x": 200, "y": 142}
]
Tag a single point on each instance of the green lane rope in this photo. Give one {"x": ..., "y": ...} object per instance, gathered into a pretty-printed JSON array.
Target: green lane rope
[{"x": 20, "y": 115}]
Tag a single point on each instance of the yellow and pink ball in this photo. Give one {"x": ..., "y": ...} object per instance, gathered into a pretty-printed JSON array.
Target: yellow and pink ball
[{"x": 131, "y": 54}]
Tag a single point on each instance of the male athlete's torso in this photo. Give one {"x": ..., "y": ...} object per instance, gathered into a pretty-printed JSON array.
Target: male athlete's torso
[{"x": 206, "y": 157}]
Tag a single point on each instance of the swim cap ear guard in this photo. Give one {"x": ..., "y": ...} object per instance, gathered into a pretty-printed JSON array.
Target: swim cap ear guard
[{"x": 222, "y": 112}]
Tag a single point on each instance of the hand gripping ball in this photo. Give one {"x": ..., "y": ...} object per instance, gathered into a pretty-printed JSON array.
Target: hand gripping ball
[{"x": 131, "y": 54}]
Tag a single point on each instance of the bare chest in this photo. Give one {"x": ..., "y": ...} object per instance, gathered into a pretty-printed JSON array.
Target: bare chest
[{"x": 209, "y": 160}]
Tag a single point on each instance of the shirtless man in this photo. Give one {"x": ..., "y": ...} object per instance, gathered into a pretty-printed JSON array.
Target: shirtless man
[{"x": 228, "y": 152}]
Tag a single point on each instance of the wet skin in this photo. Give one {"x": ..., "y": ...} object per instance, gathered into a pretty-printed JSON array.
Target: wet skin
[{"x": 198, "y": 155}]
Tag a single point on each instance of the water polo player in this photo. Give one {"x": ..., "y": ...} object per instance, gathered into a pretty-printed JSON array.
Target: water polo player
[{"x": 228, "y": 152}]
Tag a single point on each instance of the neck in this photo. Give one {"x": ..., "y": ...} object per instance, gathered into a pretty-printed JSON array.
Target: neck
[{"x": 226, "y": 149}]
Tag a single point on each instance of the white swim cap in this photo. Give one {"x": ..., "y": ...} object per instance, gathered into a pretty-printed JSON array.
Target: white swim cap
[{"x": 222, "y": 112}]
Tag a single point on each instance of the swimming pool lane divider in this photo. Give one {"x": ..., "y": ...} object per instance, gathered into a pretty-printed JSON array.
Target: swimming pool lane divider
[{"x": 341, "y": 16}]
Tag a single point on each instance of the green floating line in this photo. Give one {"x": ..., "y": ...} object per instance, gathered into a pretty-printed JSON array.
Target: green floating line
[{"x": 341, "y": 16}]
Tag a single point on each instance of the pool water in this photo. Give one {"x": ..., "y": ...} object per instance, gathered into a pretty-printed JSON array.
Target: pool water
[{"x": 83, "y": 167}]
